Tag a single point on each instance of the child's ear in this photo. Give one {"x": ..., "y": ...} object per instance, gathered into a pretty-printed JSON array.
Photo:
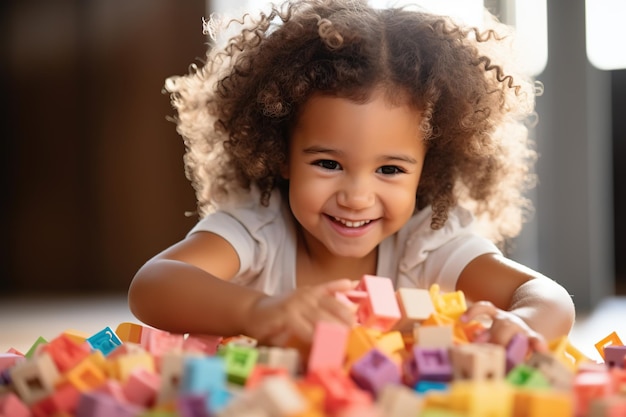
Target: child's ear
[{"x": 284, "y": 171}]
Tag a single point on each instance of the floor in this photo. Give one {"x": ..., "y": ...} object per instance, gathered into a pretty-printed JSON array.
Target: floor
[{"x": 23, "y": 320}]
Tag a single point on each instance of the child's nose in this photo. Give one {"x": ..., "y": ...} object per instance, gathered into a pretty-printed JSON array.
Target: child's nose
[{"x": 356, "y": 194}]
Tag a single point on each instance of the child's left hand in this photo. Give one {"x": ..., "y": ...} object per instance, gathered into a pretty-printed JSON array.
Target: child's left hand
[{"x": 504, "y": 326}]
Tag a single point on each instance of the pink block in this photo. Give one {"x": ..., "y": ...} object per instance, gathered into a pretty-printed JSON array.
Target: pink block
[
  {"x": 159, "y": 342},
  {"x": 328, "y": 349},
  {"x": 142, "y": 387},
  {"x": 202, "y": 344},
  {"x": 12, "y": 406},
  {"x": 381, "y": 310},
  {"x": 7, "y": 360}
]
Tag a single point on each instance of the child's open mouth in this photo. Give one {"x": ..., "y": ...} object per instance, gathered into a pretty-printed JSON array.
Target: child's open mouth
[{"x": 350, "y": 223}]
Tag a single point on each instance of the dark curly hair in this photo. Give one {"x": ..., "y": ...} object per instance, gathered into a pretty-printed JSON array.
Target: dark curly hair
[{"x": 235, "y": 111}]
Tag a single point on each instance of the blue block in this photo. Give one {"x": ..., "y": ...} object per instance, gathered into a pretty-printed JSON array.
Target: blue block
[{"x": 105, "y": 341}]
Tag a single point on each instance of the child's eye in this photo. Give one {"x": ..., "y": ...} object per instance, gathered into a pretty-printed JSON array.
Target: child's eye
[
  {"x": 390, "y": 170},
  {"x": 327, "y": 164}
]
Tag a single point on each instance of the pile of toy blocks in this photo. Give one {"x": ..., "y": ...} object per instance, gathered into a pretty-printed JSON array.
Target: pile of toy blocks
[{"x": 409, "y": 356}]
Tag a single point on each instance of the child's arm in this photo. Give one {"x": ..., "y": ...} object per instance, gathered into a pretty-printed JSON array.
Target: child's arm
[
  {"x": 517, "y": 299},
  {"x": 185, "y": 289}
]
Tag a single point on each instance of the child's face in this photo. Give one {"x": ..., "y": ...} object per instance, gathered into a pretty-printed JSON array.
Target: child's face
[{"x": 353, "y": 172}]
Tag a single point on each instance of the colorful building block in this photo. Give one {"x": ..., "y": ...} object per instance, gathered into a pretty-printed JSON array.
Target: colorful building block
[
  {"x": 239, "y": 362},
  {"x": 450, "y": 304},
  {"x": 415, "y": 306},
  {"x": 380, "y": 309},
  {"x": 105, "y": 341},
  {"x": 329, "y": 346},
  {"x": 35, "y": 379},
  {"x": 478, "y": 362},
  {"x": 612, "y": 339},
  {"x": 374, "y": 371}
]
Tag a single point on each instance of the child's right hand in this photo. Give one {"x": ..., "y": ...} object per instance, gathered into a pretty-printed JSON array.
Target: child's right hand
[{"x": 274, "y": 320}]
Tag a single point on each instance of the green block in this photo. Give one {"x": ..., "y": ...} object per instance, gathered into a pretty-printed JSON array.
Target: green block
[
  {"x": 40, "y": 341},
  {"x": 524, "y": 376},
  {"x": 239, "y": 362}
]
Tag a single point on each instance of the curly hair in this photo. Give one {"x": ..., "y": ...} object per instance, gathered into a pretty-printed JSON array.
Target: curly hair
[{"x": 235, "y": 111}]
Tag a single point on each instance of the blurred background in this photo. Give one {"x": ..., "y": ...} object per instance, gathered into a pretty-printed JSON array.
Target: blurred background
[{"x": 92, "y": 176}]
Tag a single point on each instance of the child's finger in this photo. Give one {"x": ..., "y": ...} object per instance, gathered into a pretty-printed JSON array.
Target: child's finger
[
  {"x": 481, "y": 308},
  {"x": 338, "y": 310},
  {"x": 339, "y": 285}
]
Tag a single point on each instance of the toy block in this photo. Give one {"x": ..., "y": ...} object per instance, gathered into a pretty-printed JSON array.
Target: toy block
[
  {"x": 35, "y": 346},
  {"x": 260, "y": 372},
  {"x": 35, "y": 379},
  {"x": 380, "y": 309},
  {"x": 65, "y": 352},
  {"x": 8, "y": 360},
  {"x": 542, "y": 403},
  {"x": 440, "y": 412},
  {"x": 314, "y": 394},
  {"x": 558, "y": 374},
  {"x": 12, "y": 406},
  {"x": 360, "y": 410},
  {"x": 451, "y": 304},
  {"x": 276, "y": 357},
  {"x": 351, "y": 299},
  {"x": 63, "y": 400},
  {"x": 129, "y": 332},
  {"x": 360, "y": 341},
  {"x": 415, "y": 306},
  {"x": 618, "y": 375},
  {"x": 159, "y": 342},
  {"x": 97, "y": 404},
  {"x": 238, "y": 362},
  {"x": 206, "y": 376},
  {"x": 328, "y": 348},
  {"x": 240, "y": 340},
  {"x": 205, "y": 344},
  {"x": 471, "y": 329},
  {"x": 141, "y": 387},
  {"x": 122, "y": 366},
  {"x": 399, "y": 401},
  {"x": 563, "y": 350},
  {"x": 392, "y": 344},
  {"x": 89, "y": 374},
  {"x": 483, "y": 398},
  {"x": 114, "y": 389},
  {"x": 244, "y": 405},
  {"x": 438, "y": 319},
  {"x": 612, "y": 406},
  {"x": 588, "y": 386},
  {"x": 428, "y": 387},
  {"x": 430, "y": 364},
  {"x": 375, "y": 370},
  {"x": 339, "y": 389},
  {"x": 172, "y": 368},
  {"x": 105, "y": 341},
  {"x": 194, "y": 405},
  {"x": 478, "y": 362},
  {"x": 525, "y": 376},
  {"x": 516, "y": 351},
  {"x": 434, "y": 336},
  {"x": 280, "y": 397},
  {"x": 612, "y": 339},
  {"x": 614, "y": 355},
  {"x": 76, "y": 336}
]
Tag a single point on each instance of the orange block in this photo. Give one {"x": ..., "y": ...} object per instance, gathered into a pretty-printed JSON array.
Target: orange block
[
  {"x": 612, "y": 339},
  {"x": 129, "y": 332}
]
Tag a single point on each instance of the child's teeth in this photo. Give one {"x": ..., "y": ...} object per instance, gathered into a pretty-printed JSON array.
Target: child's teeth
[{"x": 349, "y": 223}]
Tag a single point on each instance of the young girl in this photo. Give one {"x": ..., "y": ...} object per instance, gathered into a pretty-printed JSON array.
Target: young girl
[{"x": 328, "y": 140}]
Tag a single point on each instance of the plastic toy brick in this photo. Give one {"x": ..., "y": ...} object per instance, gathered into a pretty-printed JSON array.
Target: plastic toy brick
[
  {"x": 516, "y": 351},
  {"x": 360, "y": 341},
  {"x": 423, "y": 387},
  {"x": 238, "y": 362},
  {"x": 612, "y": 339},
  {"x": 380, "y": 310},
  {"x": 525, "y": 376},
  {"x": 478, "y": 362},
  {"x": 122, "y": 366},
  {"x": 65, "y": 352},
  {"x": 563, "y": 350},
  {"x": 202, "y": 344},
  {"x": 158, "y": 342},
  {"x": 556, "y": 372},
  {"x": 392, "y": 344},
  {"x": 450, "y": 304},
  {"x": 8, "y": 360},
  {"x": 38, "y": 343},
  {"x": 97, "y": 404},
  {"x": 542, "y": 403},
  {"x": 206, "y": 376},
  {"x": 114, "y": 389},
  {"x": 105, "y": 341},
  {"x": 614, "y": 355},
  {"x": 484, "y": 398},
  {"x": 374, "y": 371},
  {"x": 612, "y": 406},
  {"x": 141, "y": 387},
  {"x": 171, "y": 371},
  {"x": 129, "y": 332},
  {"x": 588, "y": 386},
  {"x": 471, "y": 329},
  {"x": 429, "y": 364},
  {"x": 35, "y": 379},
  {"x": 280, "y": 397},
  {"x": 76, "y": 336},
  {"x": 434, "y": 336},
  {"x": 12, "y": 406},
  {"x": 87, "y": 375},
  {"x": 260, "y": 372},
  {"x": 276, "y": 357},
  {"x": 339, "y": 390},
  {"x": 329, "y": 346},
  {"x": 63, "y": 400},
  {"x": 415, "y": 306},
  {"x": 399, "y": 401}
]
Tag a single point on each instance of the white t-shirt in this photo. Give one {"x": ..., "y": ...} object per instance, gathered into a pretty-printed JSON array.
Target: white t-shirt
[{"x": 416, "y": 256}]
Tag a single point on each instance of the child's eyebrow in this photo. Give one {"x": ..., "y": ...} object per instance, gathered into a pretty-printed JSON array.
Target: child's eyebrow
[{"x": 315, "y": 149}]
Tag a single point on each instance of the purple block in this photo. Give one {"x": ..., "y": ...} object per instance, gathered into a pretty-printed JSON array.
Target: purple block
[
  {"x": 192, "y": 405},
  {"x": 614, "y": 356},
  {"x": 516, "y": 351},
  {"x": 431, "y": 364},
  {"x": 98, "y": 404},
  {"x": 375, "y": 370}
]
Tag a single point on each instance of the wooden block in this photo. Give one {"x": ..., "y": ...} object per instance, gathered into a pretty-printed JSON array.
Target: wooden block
[{"x": 478, "y": 362}]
